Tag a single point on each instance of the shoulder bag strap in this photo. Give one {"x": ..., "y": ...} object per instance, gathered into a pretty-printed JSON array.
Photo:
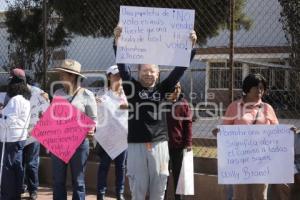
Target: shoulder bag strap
[
  {"x": 258, "y": 112},
  {"x": 74, "y": 95}
]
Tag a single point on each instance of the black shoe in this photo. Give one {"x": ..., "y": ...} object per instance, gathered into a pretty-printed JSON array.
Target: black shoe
[
  {"x": 120, "y": 197},
  {"x": 178, "y": 197},
  {"x": 33, "y": 196},
  {"x": 100, "y": 197},
  {"x": 24, "y": 189}
]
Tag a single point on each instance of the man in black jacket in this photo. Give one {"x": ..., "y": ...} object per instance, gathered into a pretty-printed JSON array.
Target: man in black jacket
[{"x": 148, "y": 154}]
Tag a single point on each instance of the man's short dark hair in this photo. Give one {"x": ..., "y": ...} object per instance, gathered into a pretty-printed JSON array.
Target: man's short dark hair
[{"x": 253, "y": 80}]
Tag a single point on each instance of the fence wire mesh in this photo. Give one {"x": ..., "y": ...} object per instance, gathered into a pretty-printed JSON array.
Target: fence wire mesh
[{"x": 82, "y": 29}]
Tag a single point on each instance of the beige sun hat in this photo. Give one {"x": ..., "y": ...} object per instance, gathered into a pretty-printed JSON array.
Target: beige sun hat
[{"x": 70, "y": 66}]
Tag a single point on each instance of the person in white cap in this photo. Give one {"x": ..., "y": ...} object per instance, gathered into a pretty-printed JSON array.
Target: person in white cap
[
  {"x": 84, "y": 100},
  {"x": 113, "y": 99}
]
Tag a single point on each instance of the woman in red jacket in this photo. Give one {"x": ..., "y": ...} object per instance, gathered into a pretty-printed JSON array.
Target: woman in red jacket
[{"x": 179, "y": 122}]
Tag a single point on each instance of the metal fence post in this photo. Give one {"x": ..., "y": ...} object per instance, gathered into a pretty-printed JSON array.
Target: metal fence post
[{"x": 45, "y": 36}]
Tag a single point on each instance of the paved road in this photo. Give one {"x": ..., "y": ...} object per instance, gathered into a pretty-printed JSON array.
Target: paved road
[{"x": 45, "y": 193}]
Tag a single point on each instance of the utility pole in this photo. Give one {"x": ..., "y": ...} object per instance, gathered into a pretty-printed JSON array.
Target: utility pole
[{"x": 231, "y": 53}]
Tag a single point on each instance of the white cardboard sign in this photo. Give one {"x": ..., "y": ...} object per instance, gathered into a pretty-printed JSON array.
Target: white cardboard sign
[
  {"x": 112, "y": 126},
  {"x": 155, "y": 36},
  {"x": 38, "y": 106},
  {"x": 185, "y": 185},
  {"x": 2, "y": 97},
  {"x": 249, "y": 154}
]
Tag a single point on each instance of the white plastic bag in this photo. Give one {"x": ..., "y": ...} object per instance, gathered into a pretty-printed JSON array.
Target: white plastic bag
[{"x": 185, "y": 184}]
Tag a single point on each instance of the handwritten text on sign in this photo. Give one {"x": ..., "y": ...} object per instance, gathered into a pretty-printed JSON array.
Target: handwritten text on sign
[
  {"x": 62, "y": 128},
  {"x": 38, "y": 106},
  {"x": 255, "y": 154},
  {"x": 155, "y": 36}
]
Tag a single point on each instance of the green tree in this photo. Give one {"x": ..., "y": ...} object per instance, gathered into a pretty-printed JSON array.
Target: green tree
[
  {"x": 290, "y": 17},
  {"x": 24, "y": 22},
  {"x": 98, "y": 18}
]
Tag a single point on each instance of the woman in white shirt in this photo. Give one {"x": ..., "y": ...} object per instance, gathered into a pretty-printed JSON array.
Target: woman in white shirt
[
  {"x": 13, "y": 124},
  {"x": 113, "y": 108}
]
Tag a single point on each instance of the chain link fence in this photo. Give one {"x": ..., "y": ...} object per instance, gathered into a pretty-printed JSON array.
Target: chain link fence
[{"x": 259, "y": 40}]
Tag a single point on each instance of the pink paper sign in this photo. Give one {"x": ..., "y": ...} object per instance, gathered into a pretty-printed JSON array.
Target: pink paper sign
[{"x": 62, "y": 128}]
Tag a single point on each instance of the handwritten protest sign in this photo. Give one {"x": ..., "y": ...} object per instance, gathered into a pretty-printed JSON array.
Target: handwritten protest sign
[
  {"x": 2, "y": 97},
  {"x": 185, "y": 185},
  {"x": 112, "y": 126},
  {"x": 38, "y": 106},
  {"x": 62, "y": 128},
  {"x": 155, "y": 36},
  {"x": 255, "y": 154}
]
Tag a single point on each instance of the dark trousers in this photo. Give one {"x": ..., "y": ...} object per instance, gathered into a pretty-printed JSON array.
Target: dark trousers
[
  {"x": 176, "y": 156},
  {"x": 12, "y": 174},
  {"x": 31, "y": 166},
  {"x": 103, "y": 169},
  {"x": 78, "y": 165}
]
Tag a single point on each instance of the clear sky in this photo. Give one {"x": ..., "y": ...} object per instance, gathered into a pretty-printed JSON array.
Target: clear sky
[{"x": 2, "y": 5}]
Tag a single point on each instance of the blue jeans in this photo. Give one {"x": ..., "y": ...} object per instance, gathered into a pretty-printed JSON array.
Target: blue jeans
[
  {"x": 78, "y": 165},
  {"x": 229, "y": 192},
  {"x": 12, "y": 174},
  {"x": 31, "y": 166},
  {"x": 103, "y": 169}
]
